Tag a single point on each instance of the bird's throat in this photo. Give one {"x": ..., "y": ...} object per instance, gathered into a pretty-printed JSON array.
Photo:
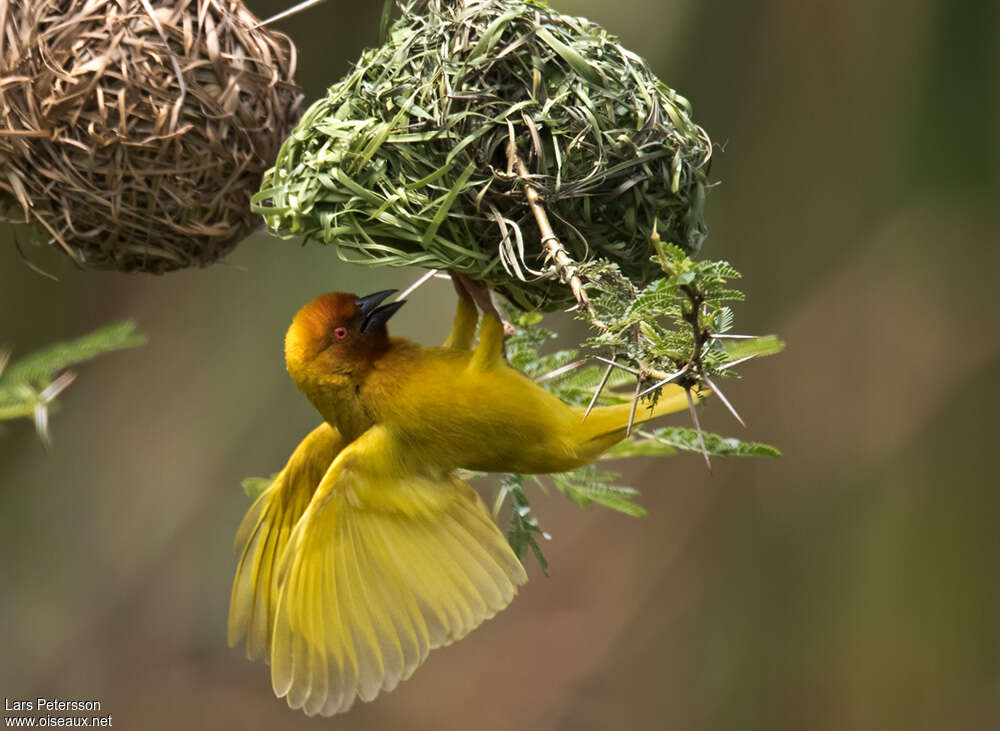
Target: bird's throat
[{"x": 337, "y": 400}]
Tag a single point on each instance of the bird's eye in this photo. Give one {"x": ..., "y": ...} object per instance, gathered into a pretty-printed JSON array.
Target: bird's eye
[{"x": 340, "y": 333}]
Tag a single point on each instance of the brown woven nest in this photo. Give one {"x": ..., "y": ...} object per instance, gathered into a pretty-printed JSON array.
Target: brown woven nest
[{"x": 134, "y": 132}]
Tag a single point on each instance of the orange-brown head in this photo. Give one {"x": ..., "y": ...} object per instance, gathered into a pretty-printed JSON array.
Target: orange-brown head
[{"x": 338, "y": 334}]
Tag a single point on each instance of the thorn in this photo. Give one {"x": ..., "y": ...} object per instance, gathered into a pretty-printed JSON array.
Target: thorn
[
  {"x": 561, "y": 370},
  {"x": 635, "y": 403},
  {"x": 697, "y": 425},
  {"x": 412, "y": 288},
  {"x": 498, "y": 502},
  {"x": 600, "y": 387},
  {"x": 290, "y": 11},
  {"x": 56, "y": 387},
  {"x": 4, "y": 358},
  {"x": 736, "y": 362},
  {"x": 665, "y": 381},
  {"x": 42, "y": 425},
  {"x": 46, "y": 397},
  {"x": 724, "y": 400},
  {"x": 726, "y": 336},
  {"x": 616, "y": 364}
]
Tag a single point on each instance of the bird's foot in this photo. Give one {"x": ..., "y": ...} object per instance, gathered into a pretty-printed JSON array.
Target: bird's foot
[{"x": 479, "y": 293}]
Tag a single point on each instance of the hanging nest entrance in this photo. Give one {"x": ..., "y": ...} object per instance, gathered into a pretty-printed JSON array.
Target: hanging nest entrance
[
  {"x": 134, "y": 132},
  {"x": 432, "y": 150}
]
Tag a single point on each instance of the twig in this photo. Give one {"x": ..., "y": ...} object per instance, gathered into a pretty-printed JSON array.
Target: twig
[
  {"x": 699, "y": 334},
  {"x": 554, "y": 250}
]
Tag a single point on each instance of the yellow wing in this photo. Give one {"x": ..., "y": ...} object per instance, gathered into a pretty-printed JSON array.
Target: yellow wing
[
  {"x": 386, "y": 564},
  {"x": 264, "y": 533}
]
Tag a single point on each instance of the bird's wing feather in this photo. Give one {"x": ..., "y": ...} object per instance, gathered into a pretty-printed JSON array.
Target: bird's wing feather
[
  {"x": 386, "y": 564},
  {"x": 264, "y": 533}
]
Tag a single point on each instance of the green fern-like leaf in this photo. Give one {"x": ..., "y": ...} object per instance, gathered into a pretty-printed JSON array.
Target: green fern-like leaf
[
  {"x": 523, "y": 531},
  {"x": 588, "y": 485},
  {"x": 679, "y": 438},
  {"x": 254, "y": 486},
  {"x": 29, "y": 388},
  {"x": 42, "y": 366}
]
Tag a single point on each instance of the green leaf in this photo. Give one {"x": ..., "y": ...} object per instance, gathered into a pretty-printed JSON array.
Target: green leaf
[
  {"x": 42, "y": 365},
  {"x": 687, "y": 440},
  {"x": 587, "y": 486},
  {"x": 764, "y": 345},
  {"x": 663, "y": 327},
  {"x": 523, "y": 531},
  {"x": 30, "y": 387},
  {"x": 254, "y": 486}
]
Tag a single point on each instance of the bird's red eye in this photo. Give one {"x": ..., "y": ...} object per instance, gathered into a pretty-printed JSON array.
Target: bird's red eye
[{"x": 340, "y": 333}]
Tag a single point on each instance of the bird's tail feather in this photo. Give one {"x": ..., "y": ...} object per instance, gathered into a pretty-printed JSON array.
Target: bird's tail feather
[{"x": 607, "y": 425}]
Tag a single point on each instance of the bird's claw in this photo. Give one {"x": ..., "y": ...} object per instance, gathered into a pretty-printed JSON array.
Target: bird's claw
[{"x": 479, "y": 293}]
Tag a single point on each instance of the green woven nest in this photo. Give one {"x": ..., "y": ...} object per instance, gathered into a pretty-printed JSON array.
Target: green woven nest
[{"x": 406, "y": 161}]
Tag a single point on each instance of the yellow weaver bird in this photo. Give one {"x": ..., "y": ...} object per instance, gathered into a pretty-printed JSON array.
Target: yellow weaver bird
[{"x": 367, "y": 551}]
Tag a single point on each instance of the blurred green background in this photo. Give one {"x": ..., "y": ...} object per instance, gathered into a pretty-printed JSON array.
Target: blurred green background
[{"x": 852, "y": 584}]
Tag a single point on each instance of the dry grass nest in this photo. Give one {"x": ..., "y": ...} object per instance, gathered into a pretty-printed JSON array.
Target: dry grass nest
[{"x": 135, "y": 132}]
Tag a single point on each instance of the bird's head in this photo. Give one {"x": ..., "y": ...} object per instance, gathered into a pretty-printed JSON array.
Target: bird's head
[{"x": 338, "y": 334}]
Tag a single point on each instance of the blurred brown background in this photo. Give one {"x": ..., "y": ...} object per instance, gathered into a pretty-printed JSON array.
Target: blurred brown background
[{"x": 852, "y": 584}]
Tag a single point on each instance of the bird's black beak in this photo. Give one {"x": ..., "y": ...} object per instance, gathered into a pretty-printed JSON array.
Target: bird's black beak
[{"x": 371, "y": 314}]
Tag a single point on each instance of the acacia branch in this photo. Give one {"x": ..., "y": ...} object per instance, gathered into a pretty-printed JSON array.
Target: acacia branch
[{"x": 554, "y": 250}]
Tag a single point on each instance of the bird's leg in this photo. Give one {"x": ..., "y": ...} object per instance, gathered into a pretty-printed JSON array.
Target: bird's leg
[
  {"x": 463, "y": 331},
  {"x": 493, "y": 330},
  {"x": 489, "y": 351},
  {"x": 482, "y": 296}
]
